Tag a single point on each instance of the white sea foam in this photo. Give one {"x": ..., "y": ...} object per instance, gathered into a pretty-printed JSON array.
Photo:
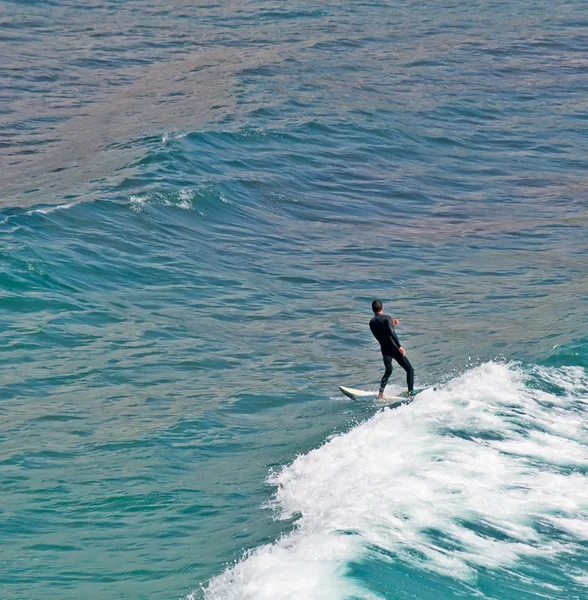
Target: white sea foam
[
  {"x": 166, "y": 137},
  {"x": 573, "y": 380},
  {"x": 185, "y": 199},
  {"x": 46, "y": 210},
  {"x": 50, "y": 209},
  {"x": 480, "y": 462},
  {"x": 182, "y": 199},
  {"x": 138, "y": 202}
]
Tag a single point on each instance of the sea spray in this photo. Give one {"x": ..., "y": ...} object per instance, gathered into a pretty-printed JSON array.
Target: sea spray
[{"x": 460, "y": 481}]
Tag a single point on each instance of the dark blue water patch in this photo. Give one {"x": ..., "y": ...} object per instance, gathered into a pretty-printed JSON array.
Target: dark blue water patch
[
  {"x": 27, "y": 524},
  {"x": 471, "y": 111},
  {"x": 253, "y": 165},
  {"x": 302, "y": 14},
  {"x": 339, "y": 45},
  {"x": 386, "y": 576},
  {"x": 571, "y": 354},
  {"x": 391, "y": 577},
  {"x": 247, "y": 403},
  {"x": 91, "y": 260},
  {"x": 42, "y": 459},
  {"x": 58, "y": 418},
  {"x": 106, "y": 63},
  {"x": 474, "y": 435},
  {"x": 52, "y": 548}
]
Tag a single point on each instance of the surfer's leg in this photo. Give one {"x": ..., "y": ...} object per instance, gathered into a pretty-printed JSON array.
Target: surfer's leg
[
  {"x": 405, "y": 364},
  {"x": 384, "y": 382}
]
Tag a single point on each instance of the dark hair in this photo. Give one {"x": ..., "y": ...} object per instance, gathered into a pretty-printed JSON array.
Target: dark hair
[{"x": 376, "y": 306}]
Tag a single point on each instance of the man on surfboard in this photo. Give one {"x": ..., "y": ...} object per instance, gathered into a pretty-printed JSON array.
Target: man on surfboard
[{"x": 382, "y": 326}]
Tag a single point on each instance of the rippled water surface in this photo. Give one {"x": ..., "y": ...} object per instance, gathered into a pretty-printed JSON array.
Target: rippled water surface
[{"x": 198, "y": 203}]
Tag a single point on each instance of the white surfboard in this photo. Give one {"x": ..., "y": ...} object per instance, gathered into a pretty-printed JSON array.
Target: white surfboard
[{"x": 355, "y": 394}]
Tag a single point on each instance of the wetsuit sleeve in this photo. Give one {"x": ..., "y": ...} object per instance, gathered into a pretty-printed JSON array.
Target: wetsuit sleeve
[{"x": 393, "y": 333}]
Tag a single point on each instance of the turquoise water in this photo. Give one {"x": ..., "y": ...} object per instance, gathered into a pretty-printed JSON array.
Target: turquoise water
[{"x": 197, "y": 205}]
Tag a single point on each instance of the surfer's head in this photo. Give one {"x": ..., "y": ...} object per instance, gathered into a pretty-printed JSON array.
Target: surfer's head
[{"x": 377, "y": 306}]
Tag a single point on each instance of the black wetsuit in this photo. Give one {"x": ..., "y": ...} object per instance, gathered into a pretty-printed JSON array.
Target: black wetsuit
[{"x": 381, "y": 326}]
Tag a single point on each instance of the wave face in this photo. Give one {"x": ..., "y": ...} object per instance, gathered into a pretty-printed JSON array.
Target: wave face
[{"x": 477, "y": 488}]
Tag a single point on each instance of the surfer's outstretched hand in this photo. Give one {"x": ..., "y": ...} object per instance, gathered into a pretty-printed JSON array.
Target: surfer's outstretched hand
[
  {"x": 395, "y": 322},
  {"x": 402, "y": 351}
]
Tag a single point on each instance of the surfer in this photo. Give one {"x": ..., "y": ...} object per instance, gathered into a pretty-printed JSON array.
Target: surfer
[{"x": 382, "y": 326}]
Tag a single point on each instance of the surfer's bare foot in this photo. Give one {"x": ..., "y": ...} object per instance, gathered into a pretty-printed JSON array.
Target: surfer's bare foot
[{"x": 380, "y": 397}]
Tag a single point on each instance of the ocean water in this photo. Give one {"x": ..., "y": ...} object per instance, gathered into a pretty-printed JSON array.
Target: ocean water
[{"x": 198, "y": 203}]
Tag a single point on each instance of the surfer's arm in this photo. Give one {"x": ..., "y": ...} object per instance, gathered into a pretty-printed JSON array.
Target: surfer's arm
[
  {"x": 394, "y": 337},
  {"x": 393, "y": 333},
  {"x": 400, "y": 348}
]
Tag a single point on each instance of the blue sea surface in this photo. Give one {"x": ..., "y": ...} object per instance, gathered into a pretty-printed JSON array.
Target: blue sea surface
[{"x": 198, "y": 203}]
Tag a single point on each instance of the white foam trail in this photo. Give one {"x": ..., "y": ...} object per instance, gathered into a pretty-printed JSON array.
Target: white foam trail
[
  {"x": 186, "y": 197},
  {"x": 50, "y": 209},
  {"x": 137, "y": 202},
  {"x": 480, "y": 462},
  {"x": 182, "y": 199},
  {"x": 172, "y": 136},
  {"x": 573, "y": 380},
  {"x": 43, "y": 211}
]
